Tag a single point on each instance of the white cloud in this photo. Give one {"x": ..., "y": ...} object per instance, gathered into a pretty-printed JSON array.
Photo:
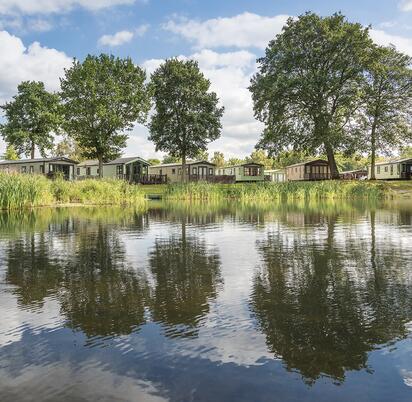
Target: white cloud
[
  {"x": 243, "y": 30},
  {"x": 403, "y": 44},
  {"x": 406, "y": 5},
  {"x": 122, "y": 37},
  {"x": 39, "y": 25},
  {"x": 142, "y": 29},
  {"x": 119, "y": 38},
  {"x": 55, "y": 6},
  {"x": 22, "y": 25},
  {"x": 33, "y": 63}
]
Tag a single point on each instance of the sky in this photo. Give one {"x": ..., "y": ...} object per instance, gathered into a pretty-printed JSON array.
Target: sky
[{"x": 39, "y": 38}]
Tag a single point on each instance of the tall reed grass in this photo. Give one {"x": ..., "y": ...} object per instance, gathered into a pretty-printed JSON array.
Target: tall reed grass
[
  {"x": 276, "y": 191},
  {"x": 19, "y": 191}
]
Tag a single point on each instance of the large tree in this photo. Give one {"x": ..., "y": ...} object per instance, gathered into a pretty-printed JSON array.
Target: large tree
[
  {"x": 387, "y": 94},
  {"x": 31, "y": 118},
  {"x": 307, "y": 86},
  {"x": 186, "y": 113},
  {"x": 103, "y": 97}
]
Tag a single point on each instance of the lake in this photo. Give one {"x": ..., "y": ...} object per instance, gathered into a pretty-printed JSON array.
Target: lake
[{"x": 207, "y": 302}]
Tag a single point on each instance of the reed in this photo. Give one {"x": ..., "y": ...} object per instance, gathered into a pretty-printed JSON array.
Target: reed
[
  {"x": 276, "y": 191},
  {"x": 18, "y": 191}
]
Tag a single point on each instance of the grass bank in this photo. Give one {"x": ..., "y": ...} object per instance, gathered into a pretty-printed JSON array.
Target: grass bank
[
  {"x": 277, "y": 191},
  {"x": 19, "y": 191}
]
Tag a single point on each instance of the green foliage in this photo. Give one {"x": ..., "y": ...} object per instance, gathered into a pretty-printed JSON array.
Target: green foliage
[
  {"x": 218, "y": 159},
  {"x": 202, "y": 155},
  {"x": 352, "y": 162},
  {"x": 69, "y": 148},
  {"x": 307, "y": 86},
  {"x": 24, "y": 191},
  {"x": 284, "y": 191},
  {"x": 406, "y": 151},
  {"x": 154, "y": 161},
  {"x": 30, "y": 118},
  {"x": 186, "y": 114},
  {"x": 20, "y": 191},
  {"x": 11, "y": 154},
  {"x": 171, "y": 159},
  {"x": 102, "y": 98},
  {"x": 387, "y": 101},
  {"x": 290, "y": 157},
  {"x": 235, "y": 161},
  {"x": 260, "y": 156}
]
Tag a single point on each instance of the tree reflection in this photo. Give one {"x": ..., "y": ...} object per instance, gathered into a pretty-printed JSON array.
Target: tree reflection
[
  {"x": 187, "y": 275},
  {"x": 103, "y": 296},
  {"x": 83, "y": 265},
  {"x": 32, "y": 268},
  {"x": 323, "y": 304}
]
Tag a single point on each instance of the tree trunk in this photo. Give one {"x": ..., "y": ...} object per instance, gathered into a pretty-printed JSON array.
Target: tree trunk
[
  {"x": 184, "y": 168},
  {"x": 32, "y": 150},
  {"x": 373, "y": 151},
  {"x": 334, "y": 172},
  {"x": 100, "y": 167}
]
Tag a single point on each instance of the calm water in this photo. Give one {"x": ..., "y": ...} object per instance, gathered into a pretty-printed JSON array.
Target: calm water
[{"x": 207, "y": 303}]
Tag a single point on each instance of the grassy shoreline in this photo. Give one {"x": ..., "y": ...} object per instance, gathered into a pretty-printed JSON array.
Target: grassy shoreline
[
  {"x": 18, "y": 191},
  {"x": 321, "y": 190}
]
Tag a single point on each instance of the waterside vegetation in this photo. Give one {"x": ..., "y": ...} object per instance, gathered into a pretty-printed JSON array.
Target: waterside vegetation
[
  {"x": 276, "y": 191},
  {"x": 19, "y": 191}
]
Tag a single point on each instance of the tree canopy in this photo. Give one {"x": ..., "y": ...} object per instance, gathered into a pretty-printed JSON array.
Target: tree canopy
[
  {"x": 103, "y": 97},
  {"x": 387, "y": 93},
  {"x": 31, "y": 117},
  {"x": 307, "y": 85},
  {"x": 186, "y": 113}
]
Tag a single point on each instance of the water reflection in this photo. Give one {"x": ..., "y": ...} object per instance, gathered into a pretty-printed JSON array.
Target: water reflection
[
  {"x": 102, "y": 294},
  {"x": 194, "y": 301},
  {"x": 325, "y": 300},
  {"x": 187, "y": 275},
  {"x": 33, "y": 269},
  {"x": 84, "y": 263}
]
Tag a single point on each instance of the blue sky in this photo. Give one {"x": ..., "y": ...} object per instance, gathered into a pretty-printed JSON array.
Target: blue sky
[{"x": 38, "y": 39}]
